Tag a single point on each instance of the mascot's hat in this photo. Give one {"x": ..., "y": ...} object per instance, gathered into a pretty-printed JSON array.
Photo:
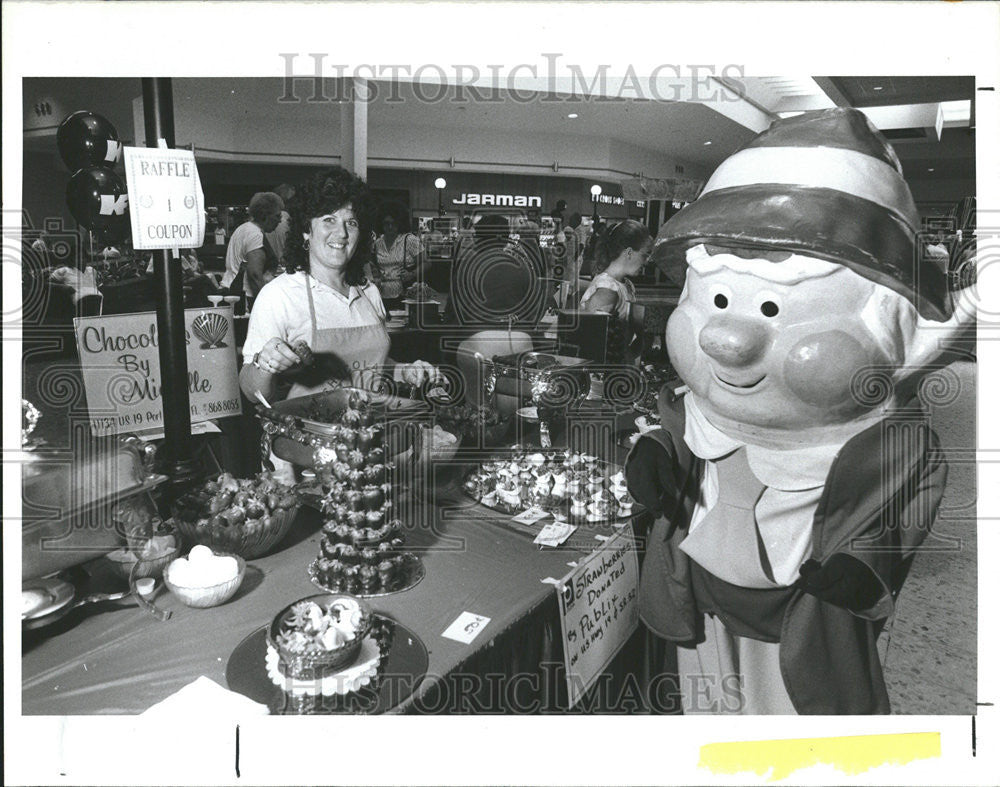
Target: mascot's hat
[{"x": 822, "y": 184}]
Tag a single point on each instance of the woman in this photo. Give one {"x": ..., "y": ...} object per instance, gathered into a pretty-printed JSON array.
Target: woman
[
  {"x": 323, "y": 324},
  {"x": 397, "y": 258},
  {"x": 619, "y": 252}
]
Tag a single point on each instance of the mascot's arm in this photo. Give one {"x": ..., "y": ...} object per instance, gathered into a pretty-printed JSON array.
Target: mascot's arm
[
  {"x": 866, "y": 573},
  {"x": 656, "y": 465},
  {"x": 651, "y": 471}
]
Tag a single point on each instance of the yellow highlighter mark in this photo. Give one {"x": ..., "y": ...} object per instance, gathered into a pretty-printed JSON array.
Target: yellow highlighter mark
[{"x": 851, "y": 754}]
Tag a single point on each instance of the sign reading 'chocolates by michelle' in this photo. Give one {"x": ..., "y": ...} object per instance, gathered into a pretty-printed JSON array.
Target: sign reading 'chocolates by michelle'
[{"x": 120, "y": 362}]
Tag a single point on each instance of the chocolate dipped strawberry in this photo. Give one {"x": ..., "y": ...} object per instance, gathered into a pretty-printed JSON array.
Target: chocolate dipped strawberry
[
  {"x": 341, "y": 470},
  {"x": 356, "y": 478},
  {"x": 373, "y": 497}
]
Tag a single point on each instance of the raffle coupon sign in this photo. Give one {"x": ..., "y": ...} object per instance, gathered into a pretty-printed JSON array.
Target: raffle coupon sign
[
  {"x": 120, "y": 362},
  {"x": 598, "y": 607},
  {"x": 166, "y": 203}
]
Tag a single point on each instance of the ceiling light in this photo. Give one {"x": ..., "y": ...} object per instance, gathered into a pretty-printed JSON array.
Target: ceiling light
[
  {"x": 708, "y": 143},
  {"x": 572, "y": 116},
  {"x": 877, "y": 87},
  {"x": 930, "y": 169}
]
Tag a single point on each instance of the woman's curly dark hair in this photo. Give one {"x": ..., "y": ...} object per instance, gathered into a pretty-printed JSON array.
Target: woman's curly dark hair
[{"x": 324, "y": 193}]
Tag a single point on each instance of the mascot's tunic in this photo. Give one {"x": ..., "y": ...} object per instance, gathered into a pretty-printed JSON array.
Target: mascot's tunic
[{"x": 827, "y": 653}]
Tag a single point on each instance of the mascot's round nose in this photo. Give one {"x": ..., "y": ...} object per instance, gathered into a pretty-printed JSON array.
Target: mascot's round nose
[{"x": 734, "y": 341}]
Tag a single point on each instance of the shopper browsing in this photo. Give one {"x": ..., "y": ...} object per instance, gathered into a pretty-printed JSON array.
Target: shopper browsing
[
  {"x": 248, "y": 251},
  {"x": 620, "y": 253},
  {"x": 398, "y": 257}
]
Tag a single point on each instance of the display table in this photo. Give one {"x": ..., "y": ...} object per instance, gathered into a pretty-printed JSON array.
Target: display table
[{"x": 121, "y": 660}]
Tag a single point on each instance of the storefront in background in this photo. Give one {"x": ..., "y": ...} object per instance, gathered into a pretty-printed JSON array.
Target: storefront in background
[{"x": 471, "y": 193}]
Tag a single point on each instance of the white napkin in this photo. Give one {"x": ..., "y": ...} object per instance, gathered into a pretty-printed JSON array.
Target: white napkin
[{"x": 204, "y": 697}]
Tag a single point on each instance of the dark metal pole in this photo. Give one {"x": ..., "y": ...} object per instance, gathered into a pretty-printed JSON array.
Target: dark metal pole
[{"x": 158, "y": 111}]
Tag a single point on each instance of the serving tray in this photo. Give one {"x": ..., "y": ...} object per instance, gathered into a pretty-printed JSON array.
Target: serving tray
[{"x": 527, "y": 470}]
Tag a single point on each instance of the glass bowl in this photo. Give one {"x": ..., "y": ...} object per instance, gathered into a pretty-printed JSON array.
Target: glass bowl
[
  {"x": 122, "y": 560},
  {"x": 313, "y": 665},
  {"x": 205, "y": 596},
  {"x": 245, "y": 540}
]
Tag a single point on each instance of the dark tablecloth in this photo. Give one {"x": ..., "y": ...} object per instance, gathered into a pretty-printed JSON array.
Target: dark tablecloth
[{"x": 114, "y": 659}]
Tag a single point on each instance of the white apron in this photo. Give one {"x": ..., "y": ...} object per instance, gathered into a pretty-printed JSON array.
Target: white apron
[{"x": 362, "y": 349}]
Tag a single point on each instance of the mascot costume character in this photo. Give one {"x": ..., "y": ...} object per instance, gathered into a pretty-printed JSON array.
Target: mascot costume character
[{"x": 795, "y": 475}]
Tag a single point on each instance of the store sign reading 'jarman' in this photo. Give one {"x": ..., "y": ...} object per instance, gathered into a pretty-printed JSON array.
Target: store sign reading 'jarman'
[{"x": 504, "y": 200}]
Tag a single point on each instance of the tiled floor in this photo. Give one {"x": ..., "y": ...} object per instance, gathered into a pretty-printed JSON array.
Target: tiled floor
[{"x": 930, "y": 649}]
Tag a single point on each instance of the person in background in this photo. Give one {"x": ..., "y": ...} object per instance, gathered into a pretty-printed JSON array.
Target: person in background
[
  {"x": 589, "y": 246},
  {"x": 466, "y": 235},
  {"x": 558, "y": 212},
  {"x": 398, "y": 257},
  {"x": 496, "y": 284},
  {"x": 565, "y": 255},
  {"x": 277, "y": 237},
  {"x": 247, "y": 250},
  {"x": 620, "y": 252}
]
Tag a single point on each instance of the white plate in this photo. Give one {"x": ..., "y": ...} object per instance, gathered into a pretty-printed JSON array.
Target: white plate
[
  {"x": 43, "y": 596},
  {"x": 528, "y": 413}
]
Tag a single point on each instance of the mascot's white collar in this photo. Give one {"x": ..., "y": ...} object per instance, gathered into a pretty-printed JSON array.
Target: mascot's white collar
[{"x": 790, "y": 470}]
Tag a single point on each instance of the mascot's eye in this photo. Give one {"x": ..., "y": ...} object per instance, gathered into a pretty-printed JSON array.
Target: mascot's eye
[
  {"x": 769, "y": 303},
  {"x": 721, "y": 295}
]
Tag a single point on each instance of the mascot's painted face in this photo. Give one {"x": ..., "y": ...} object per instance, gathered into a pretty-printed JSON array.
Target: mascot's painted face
[{"x": 781, "y": 350}]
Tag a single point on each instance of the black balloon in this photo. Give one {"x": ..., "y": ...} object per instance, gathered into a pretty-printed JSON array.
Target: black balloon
[
  {"x": 88, "y": 140},
  {"x": 98, "y": 199}
]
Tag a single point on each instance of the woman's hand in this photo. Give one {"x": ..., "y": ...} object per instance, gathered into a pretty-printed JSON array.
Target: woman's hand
[
  {"x": 415, "y": 374},
  {"x": 277, "y": 356}
]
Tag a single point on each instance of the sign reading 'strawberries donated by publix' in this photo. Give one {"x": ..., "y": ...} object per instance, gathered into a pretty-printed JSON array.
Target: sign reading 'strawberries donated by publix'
[
  {"x": 166, "y": 203},
  {"x": 598, "y": 609},
  {"x": 120, "y": 363}
]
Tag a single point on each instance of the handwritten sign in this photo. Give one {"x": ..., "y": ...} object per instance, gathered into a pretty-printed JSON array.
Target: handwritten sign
[
  {"x": 598, "y": 608},
  {"x": 166, "y": 203},
  {"x": 466, "y": 627},
  {"x": 120, "y": 362}
]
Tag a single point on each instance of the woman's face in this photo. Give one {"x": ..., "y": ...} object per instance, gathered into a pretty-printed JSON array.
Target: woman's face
[
  {"x": 631, "y": 261},
  {"x": 389, "y": 226},
  {"x": 635, "y": 262},
  {"x": 333, "y": 238}
]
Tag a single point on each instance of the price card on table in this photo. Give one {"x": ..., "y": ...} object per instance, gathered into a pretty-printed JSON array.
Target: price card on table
[
  {"x": 466, "y": 627},
  {"x": 598, "y": 609}
]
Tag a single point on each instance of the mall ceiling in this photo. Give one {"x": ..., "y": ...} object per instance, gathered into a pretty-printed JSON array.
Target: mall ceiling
[{"x": 930, "y": 120}]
